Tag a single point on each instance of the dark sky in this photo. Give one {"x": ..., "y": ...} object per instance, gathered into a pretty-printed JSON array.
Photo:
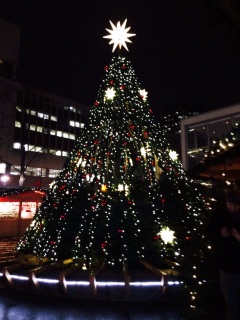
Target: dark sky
[{"x": 178, "y": 58}]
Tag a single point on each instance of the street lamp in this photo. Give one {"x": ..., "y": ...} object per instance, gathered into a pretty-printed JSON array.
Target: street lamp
[{"x": 4, "y": 179}]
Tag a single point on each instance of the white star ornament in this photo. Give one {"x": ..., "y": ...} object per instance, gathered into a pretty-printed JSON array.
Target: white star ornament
[{"x": 119, "y": 35}]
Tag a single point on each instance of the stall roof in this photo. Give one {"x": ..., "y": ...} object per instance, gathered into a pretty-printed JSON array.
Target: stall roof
[{"x": 21, "y": 194}]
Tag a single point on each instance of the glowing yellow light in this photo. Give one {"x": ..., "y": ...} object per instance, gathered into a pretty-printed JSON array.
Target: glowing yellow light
[
  {"x": 103, "y": 188},
  {"x": 119, "y": 35},
  {"x": 167, "y": 235}
]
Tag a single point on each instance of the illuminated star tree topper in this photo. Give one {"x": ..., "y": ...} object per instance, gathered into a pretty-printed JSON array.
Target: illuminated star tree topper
[{"x": 119, "y": 35}]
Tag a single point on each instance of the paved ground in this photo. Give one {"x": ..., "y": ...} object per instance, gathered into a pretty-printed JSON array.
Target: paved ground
[{"x": 25, "y": 307}]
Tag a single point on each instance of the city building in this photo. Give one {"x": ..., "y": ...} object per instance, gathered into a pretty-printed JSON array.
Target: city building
[
  {"x": 210, "y": 144},
  {"x": 38, "y": 129}
]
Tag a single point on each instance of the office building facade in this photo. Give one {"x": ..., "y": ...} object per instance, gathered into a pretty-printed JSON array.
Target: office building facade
[{"x": 38, "y": 129}]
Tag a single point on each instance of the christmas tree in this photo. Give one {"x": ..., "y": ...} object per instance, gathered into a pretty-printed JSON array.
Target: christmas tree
[{"x": 122, "y": 197}]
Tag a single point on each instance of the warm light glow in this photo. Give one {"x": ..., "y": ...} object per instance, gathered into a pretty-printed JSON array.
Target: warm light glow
[
  {"x": 173, "y": 155},
  {"x": 120, "y": 187},
  {"x": 123, "y": 187},
  {"x": 4, "y": 178},
  {"x": 103, "y": 188},
  {"x": 143, "y": 93},
  {"x": 167, "y": 235},
  {"x": 110, "y": 93},
  {"x": 119, "y": 35}
]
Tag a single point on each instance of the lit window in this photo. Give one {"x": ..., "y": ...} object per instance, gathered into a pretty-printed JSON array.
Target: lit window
[
  {"x": 53, "y": 118},
  {"x": 39, "y": 129},
  {"x": 72, "y": 109},
  {"x": 52, "y": 132},
  {"x": 43, "y": 115},
  {"x": 44, "y": 172},
  {"x": 59, "y": 133},
  {"x": 76, "y": 124},
  {"x": 31, "y": 171},
  {"x": 32, "y": 127},
  {"x": 3, "y": 168},
  {"x": 15, "y": 170},
  {"x": 17, "y": 124},
  {"x": 58, "y": 153},
  {"x": 65, "y": 154},
  {"x": 53, "y": 173},
  {"x": 38, "y": 149},
  {"x": 16, "y": 145},
  {"x": 65, "y": 135}
]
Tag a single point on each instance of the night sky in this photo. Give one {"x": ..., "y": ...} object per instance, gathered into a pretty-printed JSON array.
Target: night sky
[{"x": 176, "y": 54}]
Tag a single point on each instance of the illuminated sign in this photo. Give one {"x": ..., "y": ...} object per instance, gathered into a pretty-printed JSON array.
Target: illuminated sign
[
  {"x": 28, "y": 210},
  {"x": 10, "y": 210}
]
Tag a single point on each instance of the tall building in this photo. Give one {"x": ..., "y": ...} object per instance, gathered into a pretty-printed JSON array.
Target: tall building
[{"x": 37, "y": 128}]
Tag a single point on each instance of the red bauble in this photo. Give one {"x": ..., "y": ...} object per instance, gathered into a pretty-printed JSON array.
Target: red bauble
[
  {"x": 145, "y": 134},
  {"x": 103, "y": 245}
]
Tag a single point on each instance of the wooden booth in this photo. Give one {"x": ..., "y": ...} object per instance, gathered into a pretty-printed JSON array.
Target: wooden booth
[{"x": 17, "y": 208}]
